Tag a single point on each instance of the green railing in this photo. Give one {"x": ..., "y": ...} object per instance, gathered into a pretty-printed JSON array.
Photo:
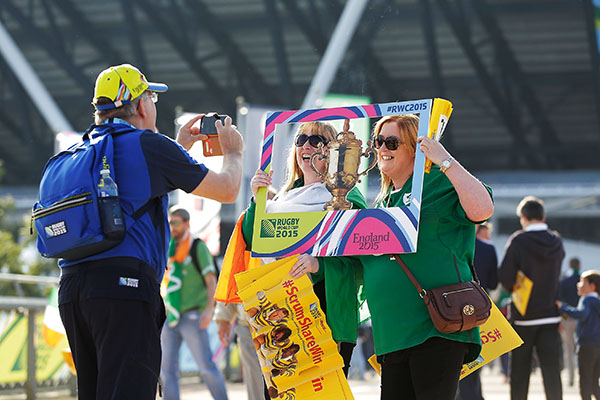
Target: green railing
[{"x": 31, "y": 307}]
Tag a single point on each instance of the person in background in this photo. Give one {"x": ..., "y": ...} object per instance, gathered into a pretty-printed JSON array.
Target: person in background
[
  {"x": 110, "y": 302},
  {"x": 368, "y": 349},
  {"x": 417, "y": 361},
  {"x": 189, "y": 298},
  {"x": 538, "y": 253},
  {"x": 486, "y": 260},
  {"x": 358, "y": 361},
  {"x": 486, "y": 266},
  {"x": 587, "y": 315},
  {"x": 502, "y": 299},
  {"x": 336, "y": 280},
  {"x": 567, "y": 293},
  {"x": 226, "y": 316}
]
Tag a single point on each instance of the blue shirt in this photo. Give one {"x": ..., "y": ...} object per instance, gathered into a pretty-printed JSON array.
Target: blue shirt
[
  {"x": 587, "y": 315},
  {"x": 147, "y": 166},
  {"x": 485, "y": 262},
  {"x": 567, "y": 289}
]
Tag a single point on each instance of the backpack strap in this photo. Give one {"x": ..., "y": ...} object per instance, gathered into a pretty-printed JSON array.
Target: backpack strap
[
  {"x": 111, "y": 130},
  {"x": 196, "y": 262},
  {"x": 153, "y": 202},
  {"x": 194, "y": 254},
  {"x": 89, "y": 134}
]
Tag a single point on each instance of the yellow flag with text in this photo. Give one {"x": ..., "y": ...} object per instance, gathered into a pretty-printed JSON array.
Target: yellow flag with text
[
  {"x": 521, "y": 292},
  {"x": 440, "y": 114},
  {"x": 497, "y": 337},
  {"x": 297, "y": 354}
]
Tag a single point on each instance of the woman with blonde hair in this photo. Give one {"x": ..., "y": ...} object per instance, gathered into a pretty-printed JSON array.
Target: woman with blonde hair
[
  {"x": 336, "y": 280},
  {"x": 419, "y": 362}
]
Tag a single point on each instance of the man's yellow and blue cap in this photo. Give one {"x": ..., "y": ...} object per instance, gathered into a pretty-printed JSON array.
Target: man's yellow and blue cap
[{"x": 122, "y": 84}]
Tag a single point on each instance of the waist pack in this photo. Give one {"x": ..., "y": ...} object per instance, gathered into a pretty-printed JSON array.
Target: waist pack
[
  {"x": 68, "y": 215},
  {"x": 456, "y": 307}
]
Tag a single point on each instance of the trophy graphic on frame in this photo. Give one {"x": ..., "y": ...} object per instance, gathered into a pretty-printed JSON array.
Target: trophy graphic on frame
[{"x": 343, "y": 160}]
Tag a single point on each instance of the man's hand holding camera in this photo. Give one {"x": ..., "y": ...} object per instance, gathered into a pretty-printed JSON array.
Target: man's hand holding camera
[
  {"x": 229, "y": 137},
  {"x": 224, "y": 185},
  {"x": 189, "y": 134}
]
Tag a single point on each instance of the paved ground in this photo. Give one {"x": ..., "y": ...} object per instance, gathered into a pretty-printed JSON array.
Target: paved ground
[
  {"x": 494, "y": 388},
  {"x": 493, "y": 383}
]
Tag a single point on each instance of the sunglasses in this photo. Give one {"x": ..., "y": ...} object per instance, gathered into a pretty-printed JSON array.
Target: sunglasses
[
  {"x": 175, "y": 222},
  {"x": 153, "y": 96},
  {"x": 391, "y": 142},
  {"x": 313, "y": 140}
]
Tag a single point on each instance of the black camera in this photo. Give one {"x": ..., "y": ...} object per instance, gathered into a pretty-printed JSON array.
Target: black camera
[{"x": 207, "y": 125}]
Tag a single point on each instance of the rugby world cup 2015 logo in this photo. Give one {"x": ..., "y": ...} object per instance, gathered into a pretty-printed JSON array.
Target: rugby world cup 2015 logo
[
  {"x": 56, "y": 229},
  {"x": 267, "y": 228},
  {"x": 279, "y": 227}
]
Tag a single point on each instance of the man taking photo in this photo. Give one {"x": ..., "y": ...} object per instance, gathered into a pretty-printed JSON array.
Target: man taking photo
[{"x": 110, "y": 302}]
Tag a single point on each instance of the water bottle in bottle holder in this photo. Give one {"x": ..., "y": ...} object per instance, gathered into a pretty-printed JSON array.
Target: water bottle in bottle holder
[{"x": 111, "y": 215}]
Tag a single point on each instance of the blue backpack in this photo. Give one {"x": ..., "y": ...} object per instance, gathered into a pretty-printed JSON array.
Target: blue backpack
[{"x": 68, "y": 215}]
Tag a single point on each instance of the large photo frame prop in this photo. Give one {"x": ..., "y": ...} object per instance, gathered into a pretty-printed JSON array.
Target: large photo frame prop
[{"x": 341, "y": 232}]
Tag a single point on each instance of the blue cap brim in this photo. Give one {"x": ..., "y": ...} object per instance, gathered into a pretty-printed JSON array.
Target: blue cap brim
[{"x": 157, "y": 87}]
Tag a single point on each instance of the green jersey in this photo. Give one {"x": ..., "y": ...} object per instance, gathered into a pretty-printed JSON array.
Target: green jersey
[
  {"x": 445, "y": 248},
  {"x": 193, "y": 289}
]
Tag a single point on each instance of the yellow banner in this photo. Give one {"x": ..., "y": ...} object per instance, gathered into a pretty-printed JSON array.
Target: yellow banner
[
  {"x": 13, "y": 353},
  {"x": 497, "y": 337},
  {"x": 440, "y": 113},
  {"x": 297, "y": 353},
  {"x": 521, "y": 292}
]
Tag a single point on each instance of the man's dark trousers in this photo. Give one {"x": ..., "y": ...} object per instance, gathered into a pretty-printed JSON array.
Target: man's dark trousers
[
  {"x": 113, "y": 315},
  {"x": 546, "y": 341}
]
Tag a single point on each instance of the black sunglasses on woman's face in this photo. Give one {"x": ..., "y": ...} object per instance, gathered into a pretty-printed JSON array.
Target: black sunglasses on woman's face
[
  {"x": 313, "y": 140},
  {"x": 391, "y": 142}
]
